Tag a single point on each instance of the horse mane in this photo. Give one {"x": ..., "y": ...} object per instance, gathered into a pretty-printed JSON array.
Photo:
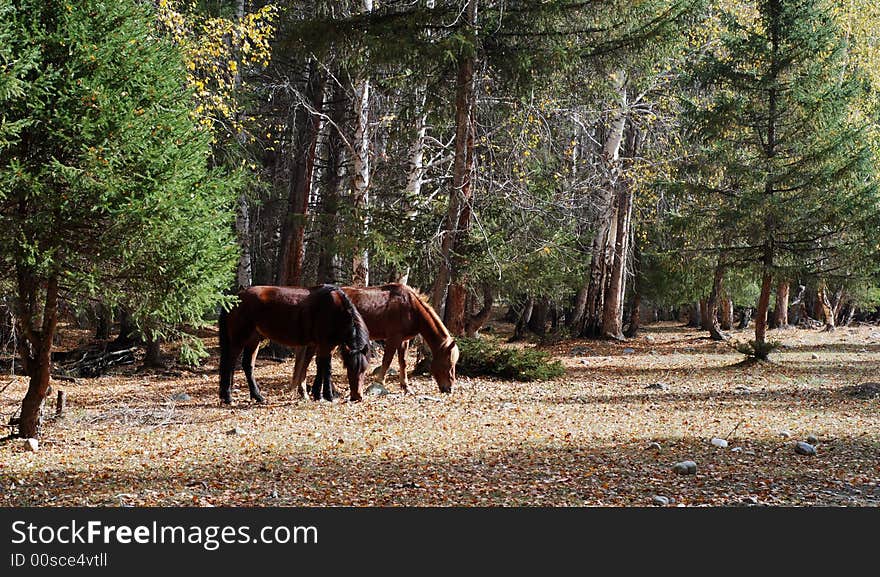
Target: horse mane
[
  {"x": 422, "y": 300},
  {"x": 359, "y": 339}
]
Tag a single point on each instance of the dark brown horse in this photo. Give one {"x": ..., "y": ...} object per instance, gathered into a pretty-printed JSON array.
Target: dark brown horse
[
  {"x": 322, "y": 317},
  {"x": 396, "y": 313}
]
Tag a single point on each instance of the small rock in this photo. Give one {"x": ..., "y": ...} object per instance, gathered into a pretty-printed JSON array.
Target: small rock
[
  {"x": 685, "y": 468},
  {"x": 628, "y": 351},
  {"x": 743, "y": 389},
  {"x": 507, "y": 406},
  {"x": 863, "y": 391},
  {"x": 660, "y": 500},
  {"x": 392, "y": 372},
  {"x": 718, "y": 442},
  {"x": 812, "y": 439},
  {"x": 814, "y": 356},
  {"x": 750, "y": 500},
  {"x": 658, "y": 386},
  {"x": 650, "y": 339},
  {"x": 376, "y": 390},
  {"x": 751, "y": 453},
  {"x": 655, "y": 446},
  {"x": 31, "y": 445},
  {"x": 235, "y": 431},
  {"x": 804, "y": 448},
  {"x": 584, "y": 362},
  {"x": 736, "y": 450},
  {"x": 180, "y": 397},
  {"x": 785, "y": 434},
  {"x": 578, "y": 351}
]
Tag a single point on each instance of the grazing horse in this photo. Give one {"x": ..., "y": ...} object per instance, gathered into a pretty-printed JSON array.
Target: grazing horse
[
  {"x": 396, "y": 313},
  {"x": 322, "y": 317}
]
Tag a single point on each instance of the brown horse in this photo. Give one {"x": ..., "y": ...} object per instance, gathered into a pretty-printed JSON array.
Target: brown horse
[
  {"x": 396, "y": 313},
  {"x": 322, "y": 317}
]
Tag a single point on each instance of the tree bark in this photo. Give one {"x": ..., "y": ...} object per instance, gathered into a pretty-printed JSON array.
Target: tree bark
[
  {"x": 601, "y": 250},
  {"x": 36, "y": 349},
  {"x": 330, "y": 192},
  {"x": 761, "y": 313},
  {"x": 704, "y": 314},
  {"x": 825, "y": 306},
  {"x": 612, "y": 314},
  {"x": 782, "y": 292},
  {"x": 538, "y": 321},
  {"x": 103, "y": 322},
  {"x": 522, "y": 323},
  {"x": 726, "y": 314},
  {"x": 712, "y": 324},
  {"x": 635, "y": 306},
  {"x": 307, "y": 127},
  {"x": 360, "y": 275},
  {"x": 450, "y": 274},
  {"x": 475, "y": 321},
  {"x": 153, "y": 354}
]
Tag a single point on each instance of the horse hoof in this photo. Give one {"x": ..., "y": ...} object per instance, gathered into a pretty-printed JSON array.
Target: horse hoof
[
  {"x": 225, "y": 401},
  {"x": 258, "y": 398}
]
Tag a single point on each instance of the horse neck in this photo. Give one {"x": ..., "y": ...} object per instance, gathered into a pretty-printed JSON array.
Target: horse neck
[{"x": 432, "y": 329}]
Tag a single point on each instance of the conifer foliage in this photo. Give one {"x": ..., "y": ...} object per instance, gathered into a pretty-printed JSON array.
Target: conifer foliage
[
  {"x": 783, "y": 154},
  {"x": 104, "y": 182}
]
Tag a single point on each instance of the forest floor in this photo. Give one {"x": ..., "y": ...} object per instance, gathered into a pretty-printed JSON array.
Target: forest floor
[{"x": 584, "y": 439}]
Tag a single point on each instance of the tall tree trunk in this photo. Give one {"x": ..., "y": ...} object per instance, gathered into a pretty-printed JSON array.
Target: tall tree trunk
[
  {"x": 694, "y": 316},
  {"x": 612, "y": 315},
  {"x": 576, "y": 319},
  {"x": 635, "y": 306},
  {"x": 782, "y": 292},
  {"x": 360, "y": 275},
  {"x": 712, "y": 324},
  {"x": 726, "y": 314},
  {"x": 704, "y": 314},
  {"x": 153, "y": 356},
  {"x": 244, "y": 270},
  {"x": 522, "y": 322},
  {"x": 307, "y": 128},
  {"x": 35, "y": 346},
  {"x": 330, "y": 192},
  {"x": 601, "y": 250},
  {"x": 538, "y": 321},
  {"x": 450, "y": 274},
  {"x": 103, "y": 322},
  {"x": 761, "y": 312},
  {"x": 477, "y": 320},
  {"x": 825, "y": 306}
]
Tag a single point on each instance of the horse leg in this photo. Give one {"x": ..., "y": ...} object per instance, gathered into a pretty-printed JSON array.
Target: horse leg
[
  {"x": 228, "y": 360},
  {"x": 401, "y": 365},
  {"x": 387, "y": 356},
  {"x": 300, "y": 367},
  {"x": 248, "y": 357},
  {"x": 327, "y": 390}
]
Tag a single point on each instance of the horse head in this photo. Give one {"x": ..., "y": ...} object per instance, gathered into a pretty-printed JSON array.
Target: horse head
[{"x": 443, "y": 365}]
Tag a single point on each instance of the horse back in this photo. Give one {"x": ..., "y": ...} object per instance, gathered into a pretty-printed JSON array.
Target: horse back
[
  {"x": 387, "y": 310},
  {"x": 292, "y": 316}
]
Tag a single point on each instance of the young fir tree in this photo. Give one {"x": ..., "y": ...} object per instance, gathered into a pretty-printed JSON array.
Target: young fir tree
[
  {"x": 104, "y": 185},
  {"x": 781, "y": 158}
]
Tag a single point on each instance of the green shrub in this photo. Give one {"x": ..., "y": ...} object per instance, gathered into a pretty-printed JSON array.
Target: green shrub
[
  {"x": 484, "y": 357},
  {"x": 760, "y": 351}
]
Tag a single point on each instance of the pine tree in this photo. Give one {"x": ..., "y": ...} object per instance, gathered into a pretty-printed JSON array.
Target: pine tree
[
  {"x": 781, "y": 157},
  {"x": 104, "y": 185}
]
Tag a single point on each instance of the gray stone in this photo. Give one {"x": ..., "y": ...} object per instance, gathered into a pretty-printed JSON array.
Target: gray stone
[
  {"x": 180, "y": 397},
  {"x": 628, "y": 351},
  {"x": 685, "y": 468},
  {"x": 736, "y": 450},
  {"x": 577, "y": 351},
  {"x": 658, "y": 386},
  {"x": 812, "y": 439},
  {"x": 655, "y": 446},
  {"x": 376, "y": 390},
  {"x": 785, "y": 434},
  {"x": 660, "y": 500},
  {"x": 814, "y": 356},
  {"x": 742, "y": 389},
  {"x": 718, "y": 442},
  {"x": 31, "y": 445},
  {"x": 804, "y": 448},
  {"x": 235, "y": 431},
  {"x": 650, "y": 339}
]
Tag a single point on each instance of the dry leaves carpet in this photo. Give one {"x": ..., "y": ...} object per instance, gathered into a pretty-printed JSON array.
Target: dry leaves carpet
[{"x": 584, "y": 439}]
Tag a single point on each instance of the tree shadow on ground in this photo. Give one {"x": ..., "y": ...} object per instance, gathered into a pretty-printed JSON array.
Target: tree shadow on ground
[{"x": 765, "y": 472}]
